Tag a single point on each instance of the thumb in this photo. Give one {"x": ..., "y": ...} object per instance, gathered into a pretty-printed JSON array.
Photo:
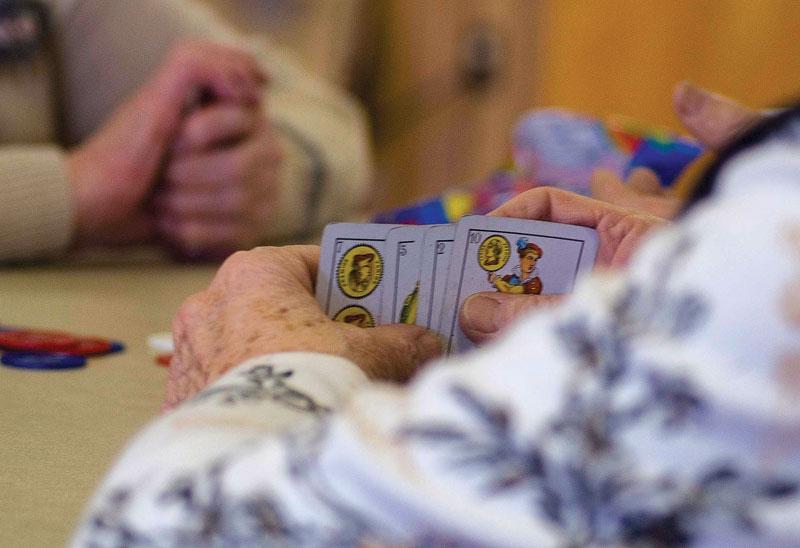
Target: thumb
[
  {"x": 484, "y": 315},
  {"x": 395, "y": 352}
]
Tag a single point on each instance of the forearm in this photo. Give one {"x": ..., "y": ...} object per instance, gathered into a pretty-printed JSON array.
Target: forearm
[
  {"x": 37, "y": 209},
  {"x": 235, "y": 463},
  {"x": 575, "y": 429},
  {"x": 203, "y": 445}
]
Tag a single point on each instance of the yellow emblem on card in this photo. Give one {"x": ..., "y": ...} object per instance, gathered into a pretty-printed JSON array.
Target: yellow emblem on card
[
  {"x": 493, "y": 253},
  {"x": 355, "y": 315},
  {"x": 360, "y": 271}
]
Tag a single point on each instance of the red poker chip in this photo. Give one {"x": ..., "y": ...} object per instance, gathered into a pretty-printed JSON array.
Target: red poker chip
[
  {"x": 37, "y": 341},
  {"x": 86, "y": 346}
]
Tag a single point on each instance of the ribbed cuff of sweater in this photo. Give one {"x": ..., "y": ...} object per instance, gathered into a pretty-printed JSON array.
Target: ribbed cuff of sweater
[{"x": 36, "y": 207}]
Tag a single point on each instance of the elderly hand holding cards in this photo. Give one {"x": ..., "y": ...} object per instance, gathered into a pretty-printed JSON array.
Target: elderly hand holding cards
[
  {"x": 528, "y": 251},
  {"x": 381, "y": 274},
  {"x": 263, "y": 301}
]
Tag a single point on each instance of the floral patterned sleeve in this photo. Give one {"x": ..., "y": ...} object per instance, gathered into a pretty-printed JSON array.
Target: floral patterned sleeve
[{"x": 656, "y": 408}]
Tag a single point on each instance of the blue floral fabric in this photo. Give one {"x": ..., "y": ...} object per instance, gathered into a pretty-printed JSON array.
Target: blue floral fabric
[{"x": 659, "y": 407}]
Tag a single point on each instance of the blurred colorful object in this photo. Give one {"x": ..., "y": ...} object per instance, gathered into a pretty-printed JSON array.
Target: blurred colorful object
[{"x": 554, "y": 147}]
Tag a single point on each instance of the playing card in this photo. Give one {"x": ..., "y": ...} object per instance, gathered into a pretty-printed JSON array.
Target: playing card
[
  {"x": 403, "y": 250},
  {"x": 437, "y": 247},
  {"x": 512, "y": 256},
  {"x": 350, "y": 276}
]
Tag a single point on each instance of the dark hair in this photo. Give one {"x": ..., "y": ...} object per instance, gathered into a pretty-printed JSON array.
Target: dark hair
[{"x": 764, "y": 131}]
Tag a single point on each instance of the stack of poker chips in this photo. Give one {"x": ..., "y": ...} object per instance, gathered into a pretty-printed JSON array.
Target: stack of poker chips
[{"x": 38, "y": 349}]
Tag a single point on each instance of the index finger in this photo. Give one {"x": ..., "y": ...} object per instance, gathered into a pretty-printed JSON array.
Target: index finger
[
  {"x": 618, "y": 228},
  {"x": 558, "y": 206}
]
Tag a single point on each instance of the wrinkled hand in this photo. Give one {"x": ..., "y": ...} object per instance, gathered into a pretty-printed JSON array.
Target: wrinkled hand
[
  {"x": 619, "y": 230},
  {"x": 262, "y": 302},
  {"x": 711, "y": 119},
  {"x": 221, "y": 182},
  {"x": 112, "y": 174}
]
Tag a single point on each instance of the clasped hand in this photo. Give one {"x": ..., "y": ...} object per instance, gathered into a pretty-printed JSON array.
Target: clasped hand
[
  {"x": 262, "y": 302},
  {"x": 201, "y": 176}
]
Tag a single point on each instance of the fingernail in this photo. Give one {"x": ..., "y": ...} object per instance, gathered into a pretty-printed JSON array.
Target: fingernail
[
  {"x": 479, "y": 313},
  {"x": 691, "y": 99}
]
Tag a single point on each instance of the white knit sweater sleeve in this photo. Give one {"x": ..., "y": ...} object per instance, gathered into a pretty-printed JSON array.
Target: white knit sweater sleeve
[{"x": 36, "y": 209}]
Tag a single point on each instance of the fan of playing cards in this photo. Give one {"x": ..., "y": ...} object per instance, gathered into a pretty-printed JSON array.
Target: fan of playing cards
[{"x": 371, "y": 274}]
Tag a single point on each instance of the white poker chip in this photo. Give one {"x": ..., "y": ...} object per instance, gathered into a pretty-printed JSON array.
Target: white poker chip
[{"x": 161, "y": 343}]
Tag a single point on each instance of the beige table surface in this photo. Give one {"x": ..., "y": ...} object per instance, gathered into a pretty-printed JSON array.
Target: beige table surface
[{"x": 60, "y": 430}]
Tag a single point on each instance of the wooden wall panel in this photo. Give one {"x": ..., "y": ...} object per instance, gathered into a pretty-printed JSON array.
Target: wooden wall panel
[
  {"x": 626, "y": 55},
  {"x": 432, "y": 131}
]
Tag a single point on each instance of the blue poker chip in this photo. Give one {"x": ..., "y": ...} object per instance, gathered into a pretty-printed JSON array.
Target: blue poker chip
[
  {"x": 28, "y": 360},
  {"x": 116, "y": 346}
]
